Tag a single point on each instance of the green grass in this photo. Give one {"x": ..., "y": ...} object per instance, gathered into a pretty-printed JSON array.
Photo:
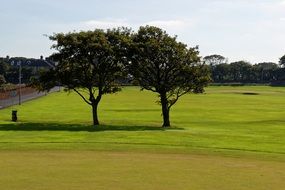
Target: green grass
[
  {"x": 227, "y": 138},
  {"x": 77, "y": 170}
]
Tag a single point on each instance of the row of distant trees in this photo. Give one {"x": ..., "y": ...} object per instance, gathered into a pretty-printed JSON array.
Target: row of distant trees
[
  {"x": 221, "y": 71},
  {"x": 245, "y": 72}
]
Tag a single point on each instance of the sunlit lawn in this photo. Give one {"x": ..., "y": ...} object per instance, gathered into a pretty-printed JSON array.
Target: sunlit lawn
[{"x": 227, "y": 138}]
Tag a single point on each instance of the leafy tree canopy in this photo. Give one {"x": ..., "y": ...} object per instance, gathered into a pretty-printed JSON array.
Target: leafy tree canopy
[
  {"x": 214, "y": 60},
  {"x": 89, "y": 63},
  {"x": 165, "y": 66},
  {"x": 282, "y": 61}
]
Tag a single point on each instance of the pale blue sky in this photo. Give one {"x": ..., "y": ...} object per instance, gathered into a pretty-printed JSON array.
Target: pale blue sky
[{"x": 252, "y": 30}]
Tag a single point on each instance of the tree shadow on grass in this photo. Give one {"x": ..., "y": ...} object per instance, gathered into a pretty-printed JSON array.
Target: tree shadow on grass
[{"x": 77, "y": 127}]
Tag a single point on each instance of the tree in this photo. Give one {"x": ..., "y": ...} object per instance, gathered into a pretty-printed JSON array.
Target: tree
[
  {"x": 3, "y": 70},
  {"x": 3, "y": 67},
  {"x": 214, "y": 60},
  {"x": 2, "y": 80},
  {"x": 221, "y": 73},
  {"x": 162, "y": 65},
  {"x": 240, "y": 71},
  {"x": 282, "y": 61},
  {"x": 89, "y": 63},
  {"x": 264, "y": 72}
]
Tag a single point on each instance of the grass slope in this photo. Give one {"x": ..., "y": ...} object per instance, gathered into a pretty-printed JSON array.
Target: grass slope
[
  {"x": 222, "y": 119},
  {"x": 55, "y": 147},
  {"x": 79, "y": 170}
]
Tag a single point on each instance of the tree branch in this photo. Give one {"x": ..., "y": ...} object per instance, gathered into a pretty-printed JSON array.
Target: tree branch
[
  {"x": 82, "y": 96},
  {"x": 178, "y": 95}
]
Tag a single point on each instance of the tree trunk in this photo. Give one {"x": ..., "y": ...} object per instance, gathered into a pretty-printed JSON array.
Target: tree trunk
[
  {"x": 95, "y": 114},
  {"x": 165, "y": 110}
]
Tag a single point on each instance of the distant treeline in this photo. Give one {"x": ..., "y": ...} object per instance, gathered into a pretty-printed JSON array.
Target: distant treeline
[
  {"x": 221, "y": 72},
  {"x": 245, "y": 72}
]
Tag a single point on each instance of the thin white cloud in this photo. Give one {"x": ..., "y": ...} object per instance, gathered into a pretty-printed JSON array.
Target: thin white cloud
[
  {"x": 274, "y": 7},
  {"x": 170, "y": 24},
  {"x": 105, "y": 24},
  {"x": 91, "y": 25}
]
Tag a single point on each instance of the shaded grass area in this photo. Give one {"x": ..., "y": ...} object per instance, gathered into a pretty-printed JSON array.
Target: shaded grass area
[{"x": 76, "y": 127}]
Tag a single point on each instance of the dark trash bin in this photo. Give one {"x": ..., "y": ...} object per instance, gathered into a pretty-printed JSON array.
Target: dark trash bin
[{"x": 14, "y": 115}]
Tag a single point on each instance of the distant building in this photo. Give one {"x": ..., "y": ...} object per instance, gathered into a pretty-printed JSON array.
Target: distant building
[
  {"x": 35, "y": 64},
  {"x": 30, "y": 68}
]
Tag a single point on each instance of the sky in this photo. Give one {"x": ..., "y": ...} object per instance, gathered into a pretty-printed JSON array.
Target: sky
[{"x": 250, "y": 30}]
